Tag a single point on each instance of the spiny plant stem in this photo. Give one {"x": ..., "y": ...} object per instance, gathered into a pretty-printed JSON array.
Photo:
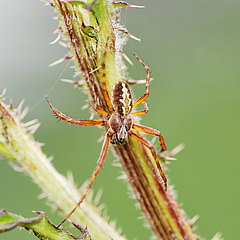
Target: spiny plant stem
[
  {"x": 161, "y": 210},
  {"x": 19, "y": 147},
  {"x": 90, "y": 29}
]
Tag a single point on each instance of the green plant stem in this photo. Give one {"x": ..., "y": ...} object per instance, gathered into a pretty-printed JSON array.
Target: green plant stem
[
  {"x": 90, "y": 30},
  {"x": 161, "y": 210},
  {"x": 20, "y": 148}
]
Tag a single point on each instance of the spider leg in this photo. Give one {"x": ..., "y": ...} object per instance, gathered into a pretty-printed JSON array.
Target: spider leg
[
  {"x": 154, "y": 154},
  {"x": 104, "y": 85},
  {"x": 95, "y": 173},
  {"x": 64, "y": 117},
  {"x": 100, "y": 111},
  {"x": 152, "y": 132},
  {"x": 133, "y": 82},
  {"x": 146, "y": 109},
  {"x": 144, "y": 96}
]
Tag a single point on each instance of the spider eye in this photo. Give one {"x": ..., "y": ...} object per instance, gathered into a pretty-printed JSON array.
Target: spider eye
[{"x": 122, "y": 140}]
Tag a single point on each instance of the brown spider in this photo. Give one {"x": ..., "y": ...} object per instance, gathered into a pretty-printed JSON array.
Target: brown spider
[{"x": 119, "y": 123}]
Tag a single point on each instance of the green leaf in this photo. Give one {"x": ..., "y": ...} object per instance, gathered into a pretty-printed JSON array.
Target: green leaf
[{"x": 40, "y": 226}]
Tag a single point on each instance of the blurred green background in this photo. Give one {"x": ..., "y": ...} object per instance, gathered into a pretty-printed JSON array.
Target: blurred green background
[{"x": 193, "y": 49}]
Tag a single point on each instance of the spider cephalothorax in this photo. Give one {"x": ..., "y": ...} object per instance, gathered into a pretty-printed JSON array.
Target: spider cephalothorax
[{"x": 119, "y": 123}]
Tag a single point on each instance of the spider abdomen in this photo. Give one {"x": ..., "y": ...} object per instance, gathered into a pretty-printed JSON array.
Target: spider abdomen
[{"x": 122, "y": 98}]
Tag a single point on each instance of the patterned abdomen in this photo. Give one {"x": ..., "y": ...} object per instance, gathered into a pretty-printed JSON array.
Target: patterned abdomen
[{"x": 122, "y": 98}]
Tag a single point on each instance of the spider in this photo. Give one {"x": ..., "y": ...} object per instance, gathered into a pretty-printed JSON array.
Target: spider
[{"x": 119, "y": 123}]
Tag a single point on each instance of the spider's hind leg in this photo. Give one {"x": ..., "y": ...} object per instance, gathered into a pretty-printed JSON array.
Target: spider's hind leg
[
  {"x": 144, "y": 96},
  {"x": 154, "y": 154},
  {"x": 101, "y": 160},
  {"x": 152, "y": 132},
  {"x": 100, "y": 111},
  {"x": 104, "y": 84},
  {"x": 142, "y": 112},
  {"x": 64, "y": 117}
]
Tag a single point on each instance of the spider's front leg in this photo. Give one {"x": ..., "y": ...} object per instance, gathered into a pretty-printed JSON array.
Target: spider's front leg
[
  {"x": 101, "y": 159},
  {"x": 154, "y": 154},
  {"x": 152, "y": 132},
  {"x": 64, "y": 117},
  {"x": 114, "y": 139}
]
